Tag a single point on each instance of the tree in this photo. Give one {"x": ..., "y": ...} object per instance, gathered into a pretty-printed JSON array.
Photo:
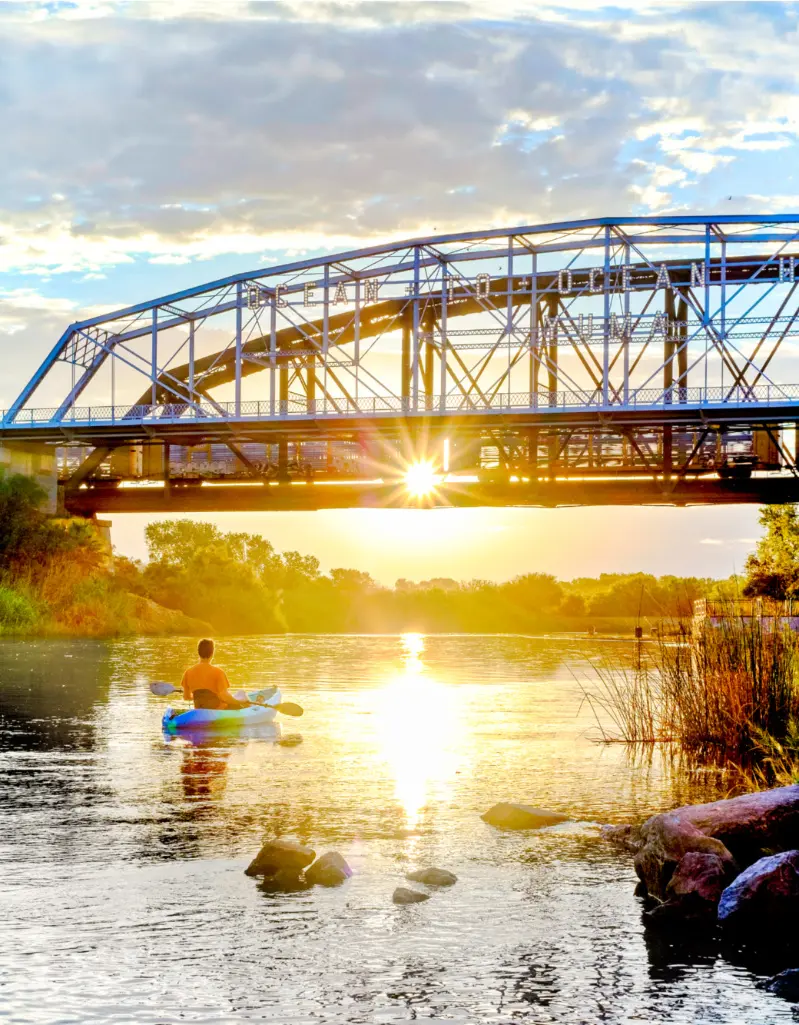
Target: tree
[
  {"x": 573, "y": 605},
  {"x": 534, "y": 592},
  {"x": 175, "y": 542},
  {"x": 772, "y": 571},
  {"x": 29, "y": 538},
  {"x": 353, "y": 581}
]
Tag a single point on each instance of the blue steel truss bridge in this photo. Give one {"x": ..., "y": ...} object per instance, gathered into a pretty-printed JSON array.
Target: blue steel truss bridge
[{"x": 623, "y": 360}]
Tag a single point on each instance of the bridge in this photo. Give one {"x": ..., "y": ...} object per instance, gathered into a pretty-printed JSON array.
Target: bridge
[{"x": 630, "y": 360}]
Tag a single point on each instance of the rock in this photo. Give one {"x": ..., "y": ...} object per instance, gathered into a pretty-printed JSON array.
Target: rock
[
  {"x": 737, "y": 831},
  {"x": 695, "y": 887},
  {"x": 521, "y": 816},
  {"x": 765, "y": 894},
  {"x": 329, "y": 870},
  {"x": 285, "y": 880},
  {"x": 278, "y": 856},
  {"x": 625, "y": 836},
  {"x": 785, "y": 985},
  {"x": 402, "y": 895},
  {"x": 432, "y": 877}
]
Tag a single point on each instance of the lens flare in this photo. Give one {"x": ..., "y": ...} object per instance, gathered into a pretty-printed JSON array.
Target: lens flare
[{"x": 421, "y": 478}]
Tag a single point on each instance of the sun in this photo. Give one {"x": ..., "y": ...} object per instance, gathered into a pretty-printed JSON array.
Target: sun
[{"x": 421, "y": 478}]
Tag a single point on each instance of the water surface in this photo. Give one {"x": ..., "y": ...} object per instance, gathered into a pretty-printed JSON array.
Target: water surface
[{"x": 123, "y": 893}]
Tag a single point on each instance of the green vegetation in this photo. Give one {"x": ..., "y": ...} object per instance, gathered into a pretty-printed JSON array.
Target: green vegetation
[
  {"x": 721, "y": 688},
  {"x": 239, "y": 583},
  {"x": 16, "y": 610},
  {"x": 56, "y": 577},
  {"x": 726, "y": 689},
  {"x": 773, "y": 570}
]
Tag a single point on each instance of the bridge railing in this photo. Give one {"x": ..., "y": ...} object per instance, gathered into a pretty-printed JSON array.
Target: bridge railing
[
  {"x": 298, "y": 406},
  {"x": 747, "y": 608}
]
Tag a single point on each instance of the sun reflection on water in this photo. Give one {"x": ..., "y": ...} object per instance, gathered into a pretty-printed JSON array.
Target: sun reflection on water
[{"x": 419, "y": 729}]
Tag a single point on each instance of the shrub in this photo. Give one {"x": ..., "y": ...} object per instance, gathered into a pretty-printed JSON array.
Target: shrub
[
  {"x": 16, "y": 611},
  {"x": 724, "y": 687}
]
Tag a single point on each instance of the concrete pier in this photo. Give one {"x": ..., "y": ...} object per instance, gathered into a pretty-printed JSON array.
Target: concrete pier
[{"x": 36, "y": 461}]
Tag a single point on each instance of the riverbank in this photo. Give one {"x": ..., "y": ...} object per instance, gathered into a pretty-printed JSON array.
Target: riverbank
[
  {"x": 118, "y": 614},
  {"x": 61, "y": 577},
  {"x": 131, "y": 615}
]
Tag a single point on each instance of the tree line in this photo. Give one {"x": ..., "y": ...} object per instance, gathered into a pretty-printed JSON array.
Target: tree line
[
  {"x": 55, "y": 572},
  {"x": 240, "y": 583}
]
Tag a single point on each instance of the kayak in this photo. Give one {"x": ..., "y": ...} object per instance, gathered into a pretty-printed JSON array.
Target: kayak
[{"x": 224, "y": 718}]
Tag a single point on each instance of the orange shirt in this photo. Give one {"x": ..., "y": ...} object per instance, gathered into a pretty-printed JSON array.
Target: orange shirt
[{"x": 204, "y": 676}]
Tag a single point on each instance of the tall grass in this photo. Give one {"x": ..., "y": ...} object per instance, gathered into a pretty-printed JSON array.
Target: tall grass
[
  {"x": 17, "y": 611},
  {"x": 628, "y": 701},
  {"x": 724, "y": 687}
]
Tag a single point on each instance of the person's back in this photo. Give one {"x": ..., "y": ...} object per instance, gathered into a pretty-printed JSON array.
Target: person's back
[
  {"x": 204, "y": 676},
  {"x": 207, "y": 685}
]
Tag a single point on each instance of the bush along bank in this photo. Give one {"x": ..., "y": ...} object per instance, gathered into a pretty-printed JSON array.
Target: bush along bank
[
  {"x": 236, "y": 582},
  {"x": 57, "y": 577}
]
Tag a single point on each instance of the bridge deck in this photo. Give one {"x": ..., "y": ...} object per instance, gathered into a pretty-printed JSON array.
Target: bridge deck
[{"x": 457, "y": 494}]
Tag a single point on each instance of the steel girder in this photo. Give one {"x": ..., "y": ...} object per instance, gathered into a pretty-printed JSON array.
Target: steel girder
[{"x": 633, "y": 321}]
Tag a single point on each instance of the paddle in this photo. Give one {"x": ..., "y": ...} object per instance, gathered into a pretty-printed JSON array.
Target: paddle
[{"x": 162, "y": 688}]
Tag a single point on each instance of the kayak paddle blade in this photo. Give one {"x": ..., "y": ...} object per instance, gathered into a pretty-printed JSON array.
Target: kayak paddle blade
[
  {"x": 162, "y": 688},
  {"x": 289, "y": 708}
]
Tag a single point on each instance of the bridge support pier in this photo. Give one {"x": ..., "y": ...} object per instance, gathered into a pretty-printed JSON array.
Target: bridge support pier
[{"x": 33, "y": 460}]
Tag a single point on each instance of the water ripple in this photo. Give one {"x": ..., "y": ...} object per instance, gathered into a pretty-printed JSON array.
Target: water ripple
[{"x": 124, "y": 898}]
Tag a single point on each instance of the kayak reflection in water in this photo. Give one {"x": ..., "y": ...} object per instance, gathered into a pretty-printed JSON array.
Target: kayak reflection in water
[
  {"x": 202, "y": 770},
  {"x": 206, "y": 684}
]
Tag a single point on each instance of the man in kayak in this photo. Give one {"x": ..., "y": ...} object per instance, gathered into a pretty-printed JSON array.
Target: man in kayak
[{"x": 206, "y": 684}]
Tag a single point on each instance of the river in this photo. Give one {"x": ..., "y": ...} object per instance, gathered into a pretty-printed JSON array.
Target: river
[{"x": 123, "y": 892}]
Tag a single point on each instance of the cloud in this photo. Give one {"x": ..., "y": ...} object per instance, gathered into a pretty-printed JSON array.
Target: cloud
[
  {"x": 192, "y": 130},
  {"x": 712, "y": 541}
]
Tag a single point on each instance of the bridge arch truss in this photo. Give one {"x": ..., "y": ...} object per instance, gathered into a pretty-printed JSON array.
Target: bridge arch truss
[{"x": 642, "y": 335}]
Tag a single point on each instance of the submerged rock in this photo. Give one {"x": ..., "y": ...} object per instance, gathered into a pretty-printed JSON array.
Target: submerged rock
[
  {"x": 285, "y": 880},
  {"x": 695, "y": 888},
  {"x": 329, "y": 870},
  {"x": 785, "y": 985},
  {"x": 280, "y": 856},
  {"x": 432, "y": 877},
  {"x": 765, "y": 894},
  {"x": 737, "y": 831},
  {"x": 521, "y": 816},
  {"x": 403, "y": 895},
  {"x": 626, "y": 836}
]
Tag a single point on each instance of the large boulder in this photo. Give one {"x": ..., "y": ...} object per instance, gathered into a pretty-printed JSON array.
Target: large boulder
[
  {"x": 521, "y": 816},
  {"x": 737, "y": 831},
  {"x": 287, "y": 856},
  {"x": 433, "y": 877},
  {"x": 329, "y": 870},
  {"x": 695, "y": 887},
  {"x": 402, "y": 895},
  {"x": 785, "y": 985},
  {"x": 764, "y": 895}
]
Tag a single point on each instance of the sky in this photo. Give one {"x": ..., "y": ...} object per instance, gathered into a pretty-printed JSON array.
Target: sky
[{"x": 151, "y": 146}]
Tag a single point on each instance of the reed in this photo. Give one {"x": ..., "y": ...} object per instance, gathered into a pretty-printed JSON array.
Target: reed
[
  {"x": 723, "y": 686},
  {"x": 628, "y": 701}
]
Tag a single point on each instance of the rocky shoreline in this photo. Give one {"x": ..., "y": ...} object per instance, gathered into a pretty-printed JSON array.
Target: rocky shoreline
[
  {"x": 730, "y": 865},
  {"x": 735, "y": 860}
]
